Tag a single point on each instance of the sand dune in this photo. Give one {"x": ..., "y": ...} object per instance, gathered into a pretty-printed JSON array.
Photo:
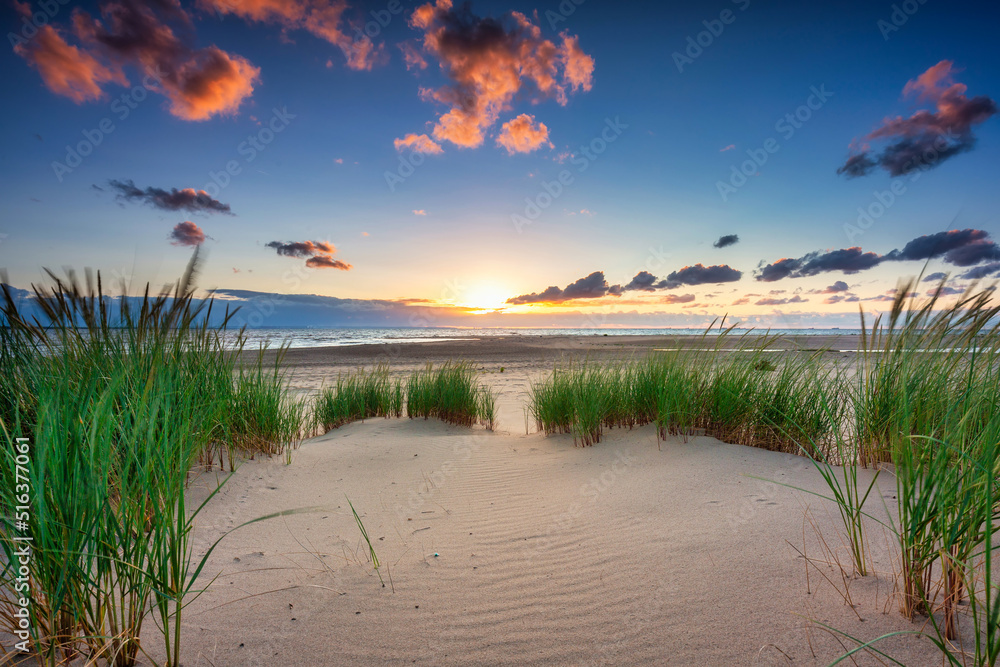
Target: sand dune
[
  {"x": 546, "y": 554},
  {"x": 506, "y": 548}
]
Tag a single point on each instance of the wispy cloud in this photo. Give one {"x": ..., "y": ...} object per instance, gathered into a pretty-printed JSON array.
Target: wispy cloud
[
  {"x": 927, "y": 138},
  {"x": 322, "y": 18},
  {"x": 185, "y": 199}
]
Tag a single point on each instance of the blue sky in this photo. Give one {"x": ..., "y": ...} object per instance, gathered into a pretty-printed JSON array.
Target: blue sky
[{"x": 649, "y": 202}]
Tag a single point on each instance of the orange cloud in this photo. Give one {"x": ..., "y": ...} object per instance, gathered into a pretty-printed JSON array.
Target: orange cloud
[
  {"x": 490, "y": 62},
  {"x": 419, "y": 211},
  {"x": 579, "y": 67},
  {"x": 199, "y": 83},
  {"x": 65, "y": 69},
  {"x": 412, "y": 57},
  {"x": 318, "y": 254},
  {"x": 327, "y": 262},
  {"x": 523, "y": 135},
  {"x": 322, "y": 18},
  {"x": 187, "y": 233},
  {"x": 211, "y": 83},
  {"x": 419, "y": 143}
]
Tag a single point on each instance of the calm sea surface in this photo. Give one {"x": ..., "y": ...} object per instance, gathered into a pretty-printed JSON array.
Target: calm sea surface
[{"x": 338, "y": 337}]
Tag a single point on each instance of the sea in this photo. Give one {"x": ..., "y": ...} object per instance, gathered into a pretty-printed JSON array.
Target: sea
[{"x": 297, "y": 338}]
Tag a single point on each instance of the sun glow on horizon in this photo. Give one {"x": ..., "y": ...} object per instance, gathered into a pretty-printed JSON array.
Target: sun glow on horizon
[{"x": 484, "y": 298}]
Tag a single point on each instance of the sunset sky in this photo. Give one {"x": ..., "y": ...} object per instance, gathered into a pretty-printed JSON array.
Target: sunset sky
[{"x": 573, "y": 164}]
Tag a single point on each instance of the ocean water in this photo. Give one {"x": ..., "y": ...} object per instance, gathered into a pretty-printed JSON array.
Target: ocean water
[{"x": 348, "y": 336}]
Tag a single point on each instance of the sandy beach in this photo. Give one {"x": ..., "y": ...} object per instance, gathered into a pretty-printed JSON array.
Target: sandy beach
[{"x": 512, "y": 548}]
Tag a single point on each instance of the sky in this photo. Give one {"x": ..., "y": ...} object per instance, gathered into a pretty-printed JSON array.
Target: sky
[{"x": 567, "y": 164}]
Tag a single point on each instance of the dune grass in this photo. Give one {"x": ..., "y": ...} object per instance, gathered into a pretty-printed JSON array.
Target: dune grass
[
  {"x": 739, "y": 395},
  {"x": 112, "y": 411},
  {"x": 451, "y": 393},
  {"x": 358, "y": 396},
  {"x": 928, "y": 400}
]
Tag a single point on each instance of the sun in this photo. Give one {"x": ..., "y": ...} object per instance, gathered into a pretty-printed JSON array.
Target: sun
[{"x": 485, "y": 298}]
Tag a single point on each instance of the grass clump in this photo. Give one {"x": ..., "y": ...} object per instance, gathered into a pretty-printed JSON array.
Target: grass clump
[
  {"x": 106, "y": 404},
  {"x": 735, "y": 395},
  {"x": 359, "y": 396},
  {"x": 452, "y": 394}
]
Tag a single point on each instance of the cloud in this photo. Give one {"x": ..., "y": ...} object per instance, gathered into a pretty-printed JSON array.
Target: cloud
[
  {"x": 702, "y": 275},
  {"x": 728, "y": 148},
  {"x": 961, "y": 247},
  {"x": 523, "y": 135},
  {"x": 66, "y": 70},
  {"x": 327, "y": 262},
  {"x": 412, "y": 57},
  {"x": 302, "y": 249},
  {"x": 780, "y": 302},
  {"x": 490, "y": 63},
  {"x": 741, "y": 301},
  {"x": 676, "y": 298},
  {"x": 592, "y": 287},
  {"x": 318, "y": 254},
  {"x": 187, "y": 234},
  {"x": 927, "y": 138},
  {"x": 644, "y": 281},
  {"x": 935, "y": 277},
  {"x": 322, "y": 18},
  {"x": 980, "y": 272},
  {"x": 419, "y": 211},
  {"x": 418, "y": 143},
  {"x": 839, "y": 286},
  {"x": 199, "y": 83},
  {"x": 185, "y": 199},
  {"x": 945, "y": 290},
  {"x": 727, "y": 240}
]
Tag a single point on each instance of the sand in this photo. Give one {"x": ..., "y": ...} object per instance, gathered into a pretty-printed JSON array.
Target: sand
[{"x": 507, "y": 548}]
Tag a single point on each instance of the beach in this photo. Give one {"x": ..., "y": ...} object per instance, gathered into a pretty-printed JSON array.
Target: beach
[{"x": 512, "y": 547}]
